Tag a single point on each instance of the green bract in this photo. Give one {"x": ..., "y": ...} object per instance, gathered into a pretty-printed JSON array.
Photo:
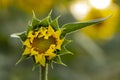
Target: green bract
[{"x": 65, "y": 29}]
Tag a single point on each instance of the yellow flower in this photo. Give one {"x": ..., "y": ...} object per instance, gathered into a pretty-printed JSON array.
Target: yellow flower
[
  {"x": 42, "y": 43},
  {"x": 104, "y": 30},
  {"x": 45, "y": 42}
]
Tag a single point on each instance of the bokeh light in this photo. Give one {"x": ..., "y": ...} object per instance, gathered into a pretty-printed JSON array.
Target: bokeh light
[
  {"x": 100, "y": 4},
  {"x": 79, "y": 9}
]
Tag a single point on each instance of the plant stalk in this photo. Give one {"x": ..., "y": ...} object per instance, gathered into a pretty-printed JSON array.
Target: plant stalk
[{"x": 44, "y": 72}]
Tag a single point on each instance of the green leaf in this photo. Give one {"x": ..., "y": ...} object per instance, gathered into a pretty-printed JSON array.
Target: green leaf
[
  {"x": 59, "y": 61},
  {"x": 22, "y": 35},
  {"x": 70, "y": 27},
  {"x": 55, "y": 24},
  {"x": 35, "y": 21}
]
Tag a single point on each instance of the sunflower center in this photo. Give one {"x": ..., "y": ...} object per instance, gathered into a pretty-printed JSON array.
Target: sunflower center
[{"x": 42, "y": 45}]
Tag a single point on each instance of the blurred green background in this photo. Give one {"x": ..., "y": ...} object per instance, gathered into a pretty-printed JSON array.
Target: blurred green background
[{"x": 96, "y": 48}]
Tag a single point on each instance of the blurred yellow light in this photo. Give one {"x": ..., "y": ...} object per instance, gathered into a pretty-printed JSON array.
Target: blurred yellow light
[
  {"x": 104, "y": 30},
  {"x": 100, "y": 4},
  {"x": 79, "y": 9},
  {"x": 39, "y": 6},
  {"x": 5, "y": 4}
]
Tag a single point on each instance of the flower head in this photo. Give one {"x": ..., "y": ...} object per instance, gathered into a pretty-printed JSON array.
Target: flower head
[
  {"x": 45, "y": 42},
  {"x": 42, "y": 44}
]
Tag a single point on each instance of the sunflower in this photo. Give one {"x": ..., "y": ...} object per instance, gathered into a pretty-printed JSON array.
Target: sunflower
[
  {"x": 104, "y": 30},
  {"x": 42, "y": 44},
  {"x": 45, "y": 42}
]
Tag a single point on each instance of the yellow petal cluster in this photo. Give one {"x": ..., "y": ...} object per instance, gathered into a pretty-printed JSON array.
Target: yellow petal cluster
[{"x": 42, "y": 43}]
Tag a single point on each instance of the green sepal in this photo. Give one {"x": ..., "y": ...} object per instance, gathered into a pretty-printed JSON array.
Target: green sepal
[
  {"x": 22, "y": 35},
  {"x": 46, "y": 21},
  {"x": 34, "y": 66},
  {"x": 35, "y": 21},
  {"x": 51, "y": 63},
  {"x": 30, "y": 27},
  {"x": 55, "y": 24},
  {"x": 66, "y": 42},
  {"x": 50, "y": 13},
  {"x": 64, "y": 51},
  {"x": 21, "y": 59},
  {"x": 70, "y": 27},
  {"x": 58, "y": 60}
]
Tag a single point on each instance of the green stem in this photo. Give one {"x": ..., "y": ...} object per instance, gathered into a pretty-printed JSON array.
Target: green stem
[{"x": 44, "y": 72}]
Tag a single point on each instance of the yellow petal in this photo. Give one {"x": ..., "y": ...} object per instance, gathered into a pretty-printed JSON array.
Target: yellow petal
[
  {"x": 27, "y": 43},
  {"x": 59, "y": 43},
  {"x": 33, "y": 52},
  {"x": 40, "y": 58},
  {"x": 50, "y": 56},
  {"x": 26, "y": 51},
  {"x": 49, "y": 53},
  {"x": 31, "y": 39},
  {"x": 39, "y": 34},
  {"x": 50, "y": 30},
  {"x": 30, "y": 34},
  {"x": 36, "y": 33},
  {"x": 51, "y": 49},
  {"x": 57, "y": 34},
  {"x": 43, "y": 30}
]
